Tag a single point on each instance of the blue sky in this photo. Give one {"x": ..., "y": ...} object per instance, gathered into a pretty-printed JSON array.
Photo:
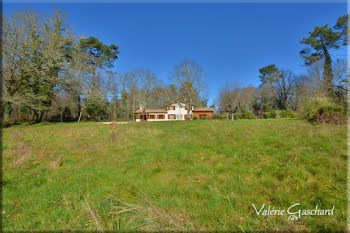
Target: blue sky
[{"x": 231, "y": 41}]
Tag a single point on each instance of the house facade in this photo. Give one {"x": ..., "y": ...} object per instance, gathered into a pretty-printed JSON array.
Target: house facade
[{"x": 176, "y": 111}]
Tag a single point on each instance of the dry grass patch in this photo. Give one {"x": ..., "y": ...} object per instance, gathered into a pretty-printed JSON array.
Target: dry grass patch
[
  {"x": 152, "y": 218},
  {"x": 21, "y": 153},
  {"x": 56, "y": 163}
]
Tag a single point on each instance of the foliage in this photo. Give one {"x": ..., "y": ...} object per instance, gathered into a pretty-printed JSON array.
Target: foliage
[
  {"x": 246, "y": 115},
  {"x": 320, "y": 41},
  {"x": 35, "y": 52},
  {"x": 342, "y": 27},
  {"x": 99, "y": 54},
  {"x": 271, "y": 114},
  {"x": 322, "y": 109},
  {"x": 220, "y": 116},
  {"x": 195, "y": 118},
  {"x": 96, "y": 105},
  {"x": 288, "y": 114},
  {"x": 43, "y": 59},
  {"x": 267, "y": 73}
]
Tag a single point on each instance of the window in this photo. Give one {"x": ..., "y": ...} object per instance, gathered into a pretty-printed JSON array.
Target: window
[
  {"x": 143, "y": 117},
  {"x": 171, "y": 116},
  {"x": 179, "y": 116},
  {"x": 161, "y": 117},
  {"x": 168, "y": 107},
  {"x": 202, "y": 116},
  {"x": 152, "y": 117}
]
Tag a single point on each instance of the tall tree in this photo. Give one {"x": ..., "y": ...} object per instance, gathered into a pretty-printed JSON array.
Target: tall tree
[
  {"x": 264, "y": 101},
  {"x": 321, "y": 41},
  {"x": 34, "y": 52},
  {"x": 99, "y": 55},
  {"x": 267, "y": 72}
]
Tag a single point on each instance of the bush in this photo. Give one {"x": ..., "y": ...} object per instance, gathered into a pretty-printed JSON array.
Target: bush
[
  {"x": 288, "y": 114},
  {"x": 219, "y": 116},
  {"x": 271, "y": 114},
  {"x": 322, "y": 110},
  {"x": 246, "y": 115},
  {"x": 195, "y": 118},
  {"x": 6, "y": 124}
]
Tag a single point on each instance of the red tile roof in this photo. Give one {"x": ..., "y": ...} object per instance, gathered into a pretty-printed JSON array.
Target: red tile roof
[
  {"x": 203, "y": 110},
  {"x": 150, "y": 111},
  {"x": 165, "y": 111}
]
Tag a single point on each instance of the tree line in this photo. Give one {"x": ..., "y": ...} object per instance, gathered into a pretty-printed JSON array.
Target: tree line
[
  {"x": 50, "y": 74},
  {"x": 322, "y": 87}
]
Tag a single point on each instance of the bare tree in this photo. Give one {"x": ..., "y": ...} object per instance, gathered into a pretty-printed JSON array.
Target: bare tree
[
  {"x": 233, "y": 99},
  {"x": 147, "y": 83},
  {"x": 341, "y": 77},
  {"x": 187, "y": 78},
  {"x": 309, "y": 84},
  {"x": 283, "y": 87}
]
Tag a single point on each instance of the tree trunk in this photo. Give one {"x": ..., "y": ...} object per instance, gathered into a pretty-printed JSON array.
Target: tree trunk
[
  {"x": 79, "y": 105},
  {"x": 133, "y": 106},
  {"x": 114, "y": 114},
  {"x": 231, "y": 116},
  {"x": 35, "y": 117},
  {"x": 81, "y": 112},
  {"x": 41, "y": 115},
  {"x": 188, "y": 112},
  {"x": 328, "y": 72},
  {"x": 93, "y": 76}
]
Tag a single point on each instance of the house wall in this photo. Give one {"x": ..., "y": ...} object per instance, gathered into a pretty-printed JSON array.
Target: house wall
[
  {"x": 179, "y": 111},
  {"x": 209, "y": 114},
  {"x": 156, "y": 117}
]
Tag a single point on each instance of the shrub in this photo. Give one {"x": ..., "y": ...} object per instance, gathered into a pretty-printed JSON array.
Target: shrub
[
  {"x": 195, "y": 118},
  {"x": 271, "y": 114},
  {"x": 219, "y": 116},
  {"x": 331, "y": 117},
  {"x": 288, "y": 114},
  {"x": 246, "y": 115},
  {"x": 6, "y": 124},
  {"x": 322, "y": 110}
]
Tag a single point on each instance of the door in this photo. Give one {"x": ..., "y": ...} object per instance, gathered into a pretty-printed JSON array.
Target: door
[{"x": 143, "y": 117}]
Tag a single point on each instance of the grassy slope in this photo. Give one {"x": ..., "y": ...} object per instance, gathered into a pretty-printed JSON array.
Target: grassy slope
[{"x": 199, "y": 175}]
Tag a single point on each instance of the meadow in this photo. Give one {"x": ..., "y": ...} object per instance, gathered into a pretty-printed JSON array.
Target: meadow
[{"x": 188, "y": 176}]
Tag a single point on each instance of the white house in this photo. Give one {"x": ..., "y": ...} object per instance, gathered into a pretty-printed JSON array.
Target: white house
[
  {"x": 177, "y": 111},
  {"x": 172, "y": 112}
]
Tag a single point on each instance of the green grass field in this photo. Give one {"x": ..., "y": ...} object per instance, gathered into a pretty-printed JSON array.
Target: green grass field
[{"x": 198, "y": 175}]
